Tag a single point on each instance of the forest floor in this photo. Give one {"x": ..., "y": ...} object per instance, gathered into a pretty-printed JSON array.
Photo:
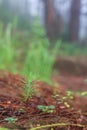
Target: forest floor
[{"x": 61, "y": 106}]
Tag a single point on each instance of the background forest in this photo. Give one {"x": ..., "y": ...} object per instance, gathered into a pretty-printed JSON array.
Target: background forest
[
  {"x": 55, "y": 25},
  {"x": 60, "y": 18},
  {"x": 43, "y": 64}
]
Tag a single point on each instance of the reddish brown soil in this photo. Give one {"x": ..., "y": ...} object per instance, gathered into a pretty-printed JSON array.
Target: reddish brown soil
[
  {"x": 72, "y": 65},
  {"x": 72, "y": 82},
  {"x": 74, "y": 115}
]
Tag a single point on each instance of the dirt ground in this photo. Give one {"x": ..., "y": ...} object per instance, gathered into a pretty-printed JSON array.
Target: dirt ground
[{"x": 68, "y": 112}]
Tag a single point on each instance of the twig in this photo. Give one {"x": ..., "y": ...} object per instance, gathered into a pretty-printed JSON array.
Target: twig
[{"x": 57, "y": 124}]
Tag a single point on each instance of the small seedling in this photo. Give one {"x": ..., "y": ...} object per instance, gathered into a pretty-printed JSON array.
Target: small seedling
[
  {"x": 11, "y": 120},
  {"x": 29, "y": 91},
  {"x": 84, "y": 93},
  {"x": 70, "y": 94},
  {"x": 47, "y": 109},
  {"x": 29, "y": 87}
]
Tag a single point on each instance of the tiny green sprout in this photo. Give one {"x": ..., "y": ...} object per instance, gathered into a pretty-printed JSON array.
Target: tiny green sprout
[
  {"x": 66, "y": 104},
  {"x": 11, "y": 120},
  {"x": 21, "y": 110},
  {"x": 48, "y": 109},
  {"x": 64, "y": 98},
  {"x": 84, "y": 93},
  {"x": 69, "y": 93},
  {"x": 71, "y": 97},
  {"x": 29, "y": 90}
]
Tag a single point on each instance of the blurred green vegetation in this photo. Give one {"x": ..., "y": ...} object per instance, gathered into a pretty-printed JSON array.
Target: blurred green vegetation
[
  {"x": 29, "y": 51},
  {"x": 25, "y": 48},
  {"x": 72, "y": 49},
  {"x": 26, "y": 52}
]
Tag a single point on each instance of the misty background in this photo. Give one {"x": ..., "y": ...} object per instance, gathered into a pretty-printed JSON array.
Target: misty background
[{"x": 62, "y": 19}]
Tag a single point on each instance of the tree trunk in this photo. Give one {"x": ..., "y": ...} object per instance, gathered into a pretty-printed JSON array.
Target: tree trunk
[
  {"x": 50, "y": 18},
  {"x": 74, "y": 20},
  {"x": 53, "y": 21}
]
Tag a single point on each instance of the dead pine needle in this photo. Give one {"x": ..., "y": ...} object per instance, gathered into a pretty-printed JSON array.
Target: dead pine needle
[{"x": 57, "y": 124}]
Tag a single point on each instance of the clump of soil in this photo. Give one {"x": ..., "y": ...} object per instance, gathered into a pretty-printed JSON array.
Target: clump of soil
[{"x": 50, "y": 107}]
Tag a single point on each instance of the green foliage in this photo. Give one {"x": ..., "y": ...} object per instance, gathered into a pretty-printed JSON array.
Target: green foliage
[
  {"x": 38, "y": 61},
  {"x": 70, "y": 94},
  {"x": 38, "y": 31},
  {"x": 40, "y": 57},
  {"x": 23, "y": 22},
  {"x": 29, "y": 89},
  {"x": 7, "y": 51},
  {"x": 47, "y": 109},
  {"x": 71, "y": 49},
  {"x": 31, "y": 54},
  {"x": 10, "y": 120}
]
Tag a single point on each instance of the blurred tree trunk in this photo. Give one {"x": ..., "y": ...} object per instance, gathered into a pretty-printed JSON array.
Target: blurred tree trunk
[
  {"x": 74, "y": 20},
  {"x": 49, "y": 18},
  {"x": 58, "y": 26},
  {"x": 52, "y": 20}
]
